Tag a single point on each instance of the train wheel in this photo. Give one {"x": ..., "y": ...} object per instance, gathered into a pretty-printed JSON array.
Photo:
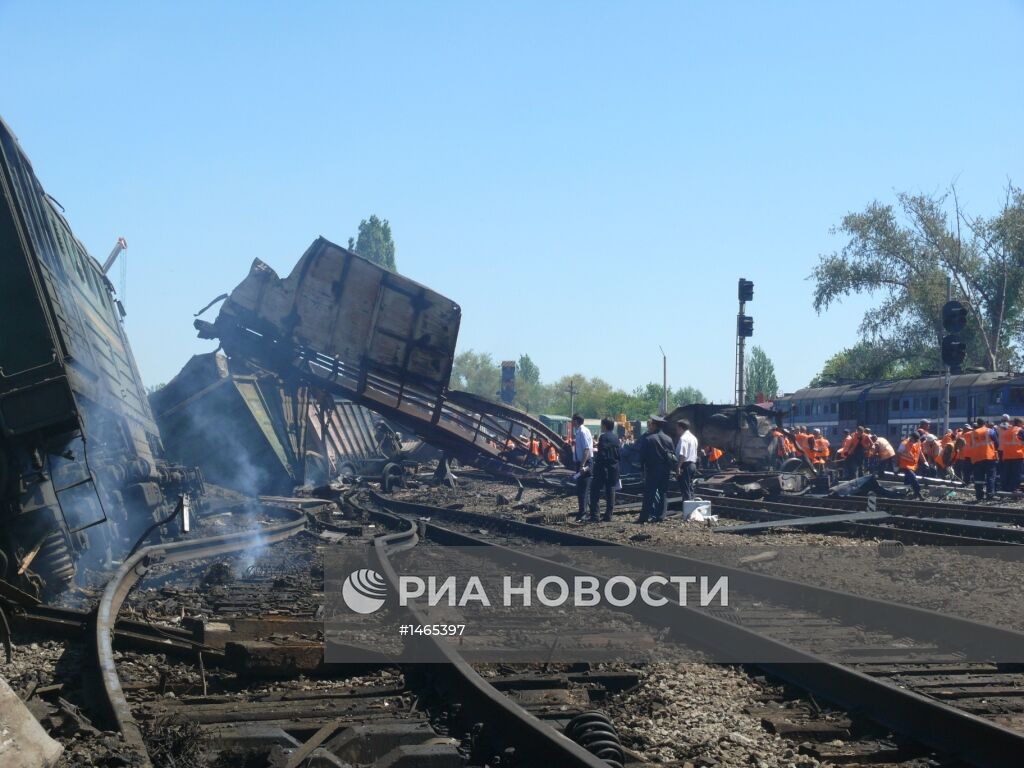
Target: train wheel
[{"x": 793, "y": 465}]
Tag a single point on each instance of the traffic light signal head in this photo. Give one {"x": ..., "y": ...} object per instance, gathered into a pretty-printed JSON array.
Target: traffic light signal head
[
  {"x": 954, "y": 316},
  {"x": 953, "y": 352},
  {"x": 744, "y": 326},
  {"x": 746, "y": 290}
]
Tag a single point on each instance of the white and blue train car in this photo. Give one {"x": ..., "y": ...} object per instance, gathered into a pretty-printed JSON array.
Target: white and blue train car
[{"x": 894, "y": 408}]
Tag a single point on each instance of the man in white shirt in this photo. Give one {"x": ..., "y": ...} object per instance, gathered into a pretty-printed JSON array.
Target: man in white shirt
[
  {"x": 583, "y": 453},
  {"x": 686, "y": 453}
]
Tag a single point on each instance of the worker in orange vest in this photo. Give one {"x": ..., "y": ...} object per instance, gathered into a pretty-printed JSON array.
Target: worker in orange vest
[
  {"x": 783, "y": 448},
  {"x": 820, "y": 450},
  {"x": 883, "y": 454},
  {"x": 1012, "y": 444},
  {"x": 803, "y": 440},
  {"x": 930, "y": 450},
  {"x": 907, "y": 456},
  {"x": 552, "y": 456},
  {"x": 981, "y": 446},
  {"x": 847, "y": 444},
  {"x": 962, "y": 467},
  {"x": 853, "y": 456},
  {"x": 712, "y": 455},
  {"x": 946, "y": 456}
]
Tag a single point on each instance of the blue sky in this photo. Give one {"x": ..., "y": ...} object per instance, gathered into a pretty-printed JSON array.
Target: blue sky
[{"x": 536, "y": 160}]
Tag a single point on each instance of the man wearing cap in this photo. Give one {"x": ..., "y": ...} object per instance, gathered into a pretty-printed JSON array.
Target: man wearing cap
[
  {"x": 686, "y": 456},
  {"x": 657, "y": 457},
  {"x": 583, "y": 453}
]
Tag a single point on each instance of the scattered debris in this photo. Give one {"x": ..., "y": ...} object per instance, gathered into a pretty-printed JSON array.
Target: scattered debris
[{"x": 23, "y": 742}]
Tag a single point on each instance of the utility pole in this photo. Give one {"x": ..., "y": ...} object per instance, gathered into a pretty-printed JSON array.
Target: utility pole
[
  {"x": 571, "y": 389},
  {"x": 949, "y": 298},
  {"x": 664, "y": 382}
]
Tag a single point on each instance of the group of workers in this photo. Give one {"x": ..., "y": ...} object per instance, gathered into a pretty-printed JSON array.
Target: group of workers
[
  {"x": 988, "y": 454},
  {"x": 532, "y": 451}
]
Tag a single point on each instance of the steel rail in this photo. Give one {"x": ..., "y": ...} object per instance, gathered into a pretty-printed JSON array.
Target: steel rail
[
  {"x": 139, "y": 635},
  {"x": 936, "y": 509},
  {"x": 536, "y": 743},
  {"x": 906, "y": 525},
  {"x": 928, "y": 721},
  {"x": 130, "y": 572},
  {"x": 883, "y": 614}
]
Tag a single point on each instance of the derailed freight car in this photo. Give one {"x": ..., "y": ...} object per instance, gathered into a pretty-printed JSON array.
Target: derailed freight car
[
  {"x": 345, "y": 327},
  {"x": 81, "y": 462}
]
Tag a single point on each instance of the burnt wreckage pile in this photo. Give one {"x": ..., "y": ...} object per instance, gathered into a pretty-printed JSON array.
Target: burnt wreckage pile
[
  {"x": 338, "y": 329},
  {"x": 318, "y": 371},
  {"x": 325, "y": 374}
]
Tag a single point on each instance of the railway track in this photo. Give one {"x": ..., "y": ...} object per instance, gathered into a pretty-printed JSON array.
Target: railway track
[
  {"x": 911, "y": 522},
  {"x": 244, "y": 674},
  {"x": 898, "y": 677}
]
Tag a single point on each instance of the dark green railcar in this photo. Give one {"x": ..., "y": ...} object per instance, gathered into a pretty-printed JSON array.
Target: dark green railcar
[{"x": 81, "y": 463}]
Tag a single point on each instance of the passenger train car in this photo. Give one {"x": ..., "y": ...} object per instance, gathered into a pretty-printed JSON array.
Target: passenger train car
[
  {"x": 81, "y": 462},
  {"x": 893, "y": 408}
]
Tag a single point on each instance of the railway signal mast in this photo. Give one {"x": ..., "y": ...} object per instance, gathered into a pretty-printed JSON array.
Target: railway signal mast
[
  {"x": 744, "y": 330},
  {"x": 954, "y": 319}
]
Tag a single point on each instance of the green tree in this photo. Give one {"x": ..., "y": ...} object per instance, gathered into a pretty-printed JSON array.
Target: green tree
[
  {"x": 531, "y": 395},
  {"x": 477, "y": 373},
  {"x": 759, "y": 372},
  {"x": 527, "y": 371},
  {"x": 686, "y": 396},
  {"x": 870, "y": 361},
  {"x": 374, "y": 242},
  {"x": 905, "y": 253}
]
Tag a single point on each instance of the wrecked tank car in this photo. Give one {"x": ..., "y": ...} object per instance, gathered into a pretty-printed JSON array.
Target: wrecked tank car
[
  {"x": 82, "y": 469},
  {"x": 344, "y": 327}
]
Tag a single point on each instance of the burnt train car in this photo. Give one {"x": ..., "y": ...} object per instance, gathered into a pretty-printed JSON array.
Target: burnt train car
[
  {"x": 893, "y": 408},
  {"x": 81, "y": 462}
]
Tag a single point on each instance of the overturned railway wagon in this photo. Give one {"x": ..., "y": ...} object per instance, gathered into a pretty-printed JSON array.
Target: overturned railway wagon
[
  {"x": 82, "y": 471},
  {"x": 345, "y": 327}
]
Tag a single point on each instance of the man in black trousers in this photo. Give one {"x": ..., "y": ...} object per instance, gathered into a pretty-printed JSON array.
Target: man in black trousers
[
  {"x": 657, "y": 458},
  {"x": 606, "y": 470}
]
